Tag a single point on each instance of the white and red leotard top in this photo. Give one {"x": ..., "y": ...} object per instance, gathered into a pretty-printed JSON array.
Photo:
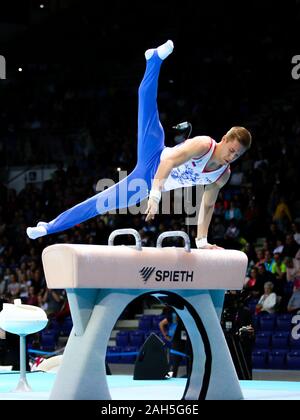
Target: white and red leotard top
[{"x": 193, "y": 172}]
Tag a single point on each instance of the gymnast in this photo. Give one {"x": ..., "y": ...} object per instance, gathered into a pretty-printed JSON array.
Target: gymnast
[{"x": 197, "y": 161}]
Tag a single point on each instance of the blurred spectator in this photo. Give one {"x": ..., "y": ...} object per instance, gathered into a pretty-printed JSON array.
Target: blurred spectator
[
  {"x": 37, "y": 279},
  {"x": 7, "y": 274},
  {"x": 249, "y": 251},
  {"x": 221, "y": 205},
  {"x": 279, "y": 267},
  {"x": 2, "y": 265},
  {"x": 145, "y": 237},
  {"x": 24, "y": 286},
  {"x": 52, "y": 301},
  {"x": 297, "y": 259},
  {"x": 266, "y": 245},
  {"x": 60, "y": 174},
  {"x": 294, "y": 302},
  {"x": 32, "y": 298},
  {"x": 233, "y": 213},
  {"x": 273, "y": 234},
  {"x": 292, "y": 269},
  {"x": 263, "y": 277},
  {"x": 251, "y": 215},
  {"x": 279, "y": 247},
  {"x": 269, "y": 260},
  {"x": 217, "y": 231},
  {"x": 232, "y": 235},
  {"x": 279, "y": 271},
  {"x": 296, "y": 232},
  {"x": 13, "y": 287},
  {"x": 42, "y": 302},
  {"x": 260, "y": 257},
  {"x": 268, "y": 301},
  {"x": 64, "y": 311},
  {"x": 282, "y": 215},
  {"x": 174, "y": 332},
  {"x": 237, "y": 177},
  {"x": 3, "y": 286},
  {"x": 290, "y": 247},
  {"x": 252, "y": 287}
]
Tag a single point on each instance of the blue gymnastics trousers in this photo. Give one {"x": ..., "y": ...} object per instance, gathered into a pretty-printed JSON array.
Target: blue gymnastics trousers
[{"x": 151, "y": 139}]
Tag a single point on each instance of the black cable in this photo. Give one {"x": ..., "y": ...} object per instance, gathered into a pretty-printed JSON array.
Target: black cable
[
  {"x": 190, "y": 130},
  {"x": 184, "y": 126}
]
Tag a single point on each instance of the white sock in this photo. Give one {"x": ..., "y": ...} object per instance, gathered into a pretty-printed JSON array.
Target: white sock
[
  {"x": 36, "y": 232},
  {"x": 42, "y": 224},
  {"x": 163, "y": 51}
]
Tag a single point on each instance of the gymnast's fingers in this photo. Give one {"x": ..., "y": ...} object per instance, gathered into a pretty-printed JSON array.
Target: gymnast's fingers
[
  {"x": 217, "y": 247},
  {"x": 150, "y": 217}
]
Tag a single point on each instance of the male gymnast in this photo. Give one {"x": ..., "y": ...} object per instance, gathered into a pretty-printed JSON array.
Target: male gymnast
[{"x": 197, "y": 161}]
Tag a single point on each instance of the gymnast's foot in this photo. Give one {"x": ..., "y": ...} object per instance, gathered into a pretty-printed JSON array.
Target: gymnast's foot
[
  {"x": 36, "y": 232},
  {"x": 42, "y": 224},
  {"x": 163, "y": 51}
]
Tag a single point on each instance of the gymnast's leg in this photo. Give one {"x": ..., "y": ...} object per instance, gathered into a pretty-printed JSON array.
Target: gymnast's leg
[
  {"x": 126, "y": 193},
  {"x": 150, "y": 146},
  {"x": 150, "y": 131}
]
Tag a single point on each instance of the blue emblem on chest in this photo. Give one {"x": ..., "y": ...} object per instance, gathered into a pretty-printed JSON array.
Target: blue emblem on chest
[{"x": 184, "y": 174}]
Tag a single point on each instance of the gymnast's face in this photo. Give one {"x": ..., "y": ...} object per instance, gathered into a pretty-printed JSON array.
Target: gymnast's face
[{"x": 231, "y": 150}]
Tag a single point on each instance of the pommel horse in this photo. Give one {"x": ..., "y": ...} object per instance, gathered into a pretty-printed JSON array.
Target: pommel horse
[{"x": 102, "y": 280}]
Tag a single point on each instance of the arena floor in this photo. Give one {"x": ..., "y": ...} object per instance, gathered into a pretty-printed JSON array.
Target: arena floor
[{"x": 123, "y": 387}]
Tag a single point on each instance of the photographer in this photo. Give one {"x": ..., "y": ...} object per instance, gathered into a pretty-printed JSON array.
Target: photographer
[
  {"x": 174, "y": 332},
  {"x": 239, "y": 333}
]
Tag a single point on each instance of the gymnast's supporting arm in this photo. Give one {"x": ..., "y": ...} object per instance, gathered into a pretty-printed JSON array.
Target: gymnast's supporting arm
[{"x": 207, "y": 206}]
